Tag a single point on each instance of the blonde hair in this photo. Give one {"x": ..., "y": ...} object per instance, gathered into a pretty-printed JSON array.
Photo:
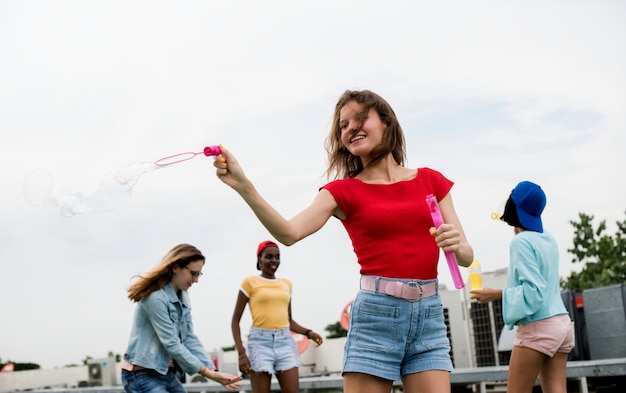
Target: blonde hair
[
  {"x": 181, "y": 256},
  {"x": 342, "y": 163}
]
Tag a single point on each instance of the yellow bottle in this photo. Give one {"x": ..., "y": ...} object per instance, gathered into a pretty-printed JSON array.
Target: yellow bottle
[{"x": 475, "y": 276}]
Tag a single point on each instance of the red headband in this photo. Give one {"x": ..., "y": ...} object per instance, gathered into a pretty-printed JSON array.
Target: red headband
[{"x": 263, "y": 245}]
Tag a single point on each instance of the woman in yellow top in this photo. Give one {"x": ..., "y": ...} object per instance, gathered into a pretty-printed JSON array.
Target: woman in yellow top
[{"x": 271, "y": 348}]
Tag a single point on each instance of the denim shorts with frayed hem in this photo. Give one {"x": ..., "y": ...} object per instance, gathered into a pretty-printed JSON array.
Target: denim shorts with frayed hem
[
  {"x": 391, "y": 337},
  {"x": 272, "y": 351}
]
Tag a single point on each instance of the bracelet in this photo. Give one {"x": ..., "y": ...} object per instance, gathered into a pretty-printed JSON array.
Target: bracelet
[
  {"x": 242, "y": 356},
  {"x": 307, "y": 333}
]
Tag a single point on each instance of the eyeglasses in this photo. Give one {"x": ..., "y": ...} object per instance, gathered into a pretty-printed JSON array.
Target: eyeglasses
[{"x": 194, "y": 274}]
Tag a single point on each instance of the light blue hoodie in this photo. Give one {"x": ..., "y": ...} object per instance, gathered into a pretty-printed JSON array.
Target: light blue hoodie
[
  {"x": 162, "y": 327},
  {"x": 533, "y": 290}
]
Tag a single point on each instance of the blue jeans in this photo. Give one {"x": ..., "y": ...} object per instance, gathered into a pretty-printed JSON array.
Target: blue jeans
[{"x": 150, "y": 381}]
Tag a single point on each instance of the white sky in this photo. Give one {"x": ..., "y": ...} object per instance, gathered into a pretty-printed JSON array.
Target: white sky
[{"x": 488, "y": 92}]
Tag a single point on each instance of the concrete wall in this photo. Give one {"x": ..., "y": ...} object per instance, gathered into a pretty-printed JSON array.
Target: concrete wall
[{"x": 43, "y": 379}]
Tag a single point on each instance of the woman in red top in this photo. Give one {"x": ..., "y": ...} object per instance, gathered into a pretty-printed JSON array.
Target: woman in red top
[{"x": 397, "y": 329}]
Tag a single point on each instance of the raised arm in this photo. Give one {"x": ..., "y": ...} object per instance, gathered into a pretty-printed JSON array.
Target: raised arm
[{"x": 288, "y": 232}]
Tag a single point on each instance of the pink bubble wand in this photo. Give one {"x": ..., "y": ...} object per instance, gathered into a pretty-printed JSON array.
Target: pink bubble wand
[
  {"x": 435, "y": 213},
  {"x": 180, "y": 157}
]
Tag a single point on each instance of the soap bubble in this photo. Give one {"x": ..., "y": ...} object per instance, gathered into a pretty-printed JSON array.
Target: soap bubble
[
  {"x": 113, "y": 189},
  {"x": 37, "y": 187}
]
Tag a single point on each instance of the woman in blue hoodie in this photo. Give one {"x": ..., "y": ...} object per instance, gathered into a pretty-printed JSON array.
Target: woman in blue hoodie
[
  {"x": 162, "y": 340},
  {"x": 532, "y": 299}
]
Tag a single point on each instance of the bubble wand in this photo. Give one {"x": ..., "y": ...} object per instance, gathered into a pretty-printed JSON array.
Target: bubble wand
[
  {"x": 435, "y": 213},
  {"x": 180, "y": 157}
]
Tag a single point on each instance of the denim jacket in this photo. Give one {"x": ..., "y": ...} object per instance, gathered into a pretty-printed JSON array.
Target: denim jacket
[{"x": 162, "y": 327}]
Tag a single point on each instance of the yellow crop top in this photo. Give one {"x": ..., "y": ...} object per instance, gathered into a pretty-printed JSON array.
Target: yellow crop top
[{"x": 269, "y": 300}]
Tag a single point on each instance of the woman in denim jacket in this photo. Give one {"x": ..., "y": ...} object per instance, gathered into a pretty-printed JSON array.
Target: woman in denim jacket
[{"x": 162, "y": 340}]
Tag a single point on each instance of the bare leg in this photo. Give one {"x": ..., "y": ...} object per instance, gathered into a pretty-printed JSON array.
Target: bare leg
[
  {"x": 288, "y": 380},
  {"x": 553, "y": 375},
  {"x": 523, "y": 369},
  {"x": 359, "y": 383},
  {"x": 260, "y": 382},
  {"x": 427, "y": 381}
]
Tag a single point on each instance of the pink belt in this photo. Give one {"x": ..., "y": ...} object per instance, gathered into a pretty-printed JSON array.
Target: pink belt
[{"x": 408, "y": 290}]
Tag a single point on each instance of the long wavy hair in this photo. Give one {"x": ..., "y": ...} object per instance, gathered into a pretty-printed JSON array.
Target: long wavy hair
[
  {"x": 343, "y": 164},
  {"x": 181, "y": 256}
]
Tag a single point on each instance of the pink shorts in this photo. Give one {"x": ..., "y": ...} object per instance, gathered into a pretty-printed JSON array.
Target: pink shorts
[{"x": 548, "y": 336}]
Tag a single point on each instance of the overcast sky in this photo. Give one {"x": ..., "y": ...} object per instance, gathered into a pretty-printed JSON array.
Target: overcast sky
[{"x": 488, "y": 92}]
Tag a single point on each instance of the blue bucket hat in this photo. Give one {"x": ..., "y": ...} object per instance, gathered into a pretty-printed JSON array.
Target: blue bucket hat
[{"x": 529, "y": 200}]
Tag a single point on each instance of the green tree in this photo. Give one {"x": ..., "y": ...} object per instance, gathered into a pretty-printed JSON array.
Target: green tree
[
  {"x": 22, "y": 366},
  {"x": 604, "y": 255},
  {"x": 335, "y": 330}
]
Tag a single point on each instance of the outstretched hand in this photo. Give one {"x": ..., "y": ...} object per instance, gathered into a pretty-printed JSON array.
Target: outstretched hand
[
  {"x": 485, "y": 295},
  {"x": 230, "y": 382},
  {"x": 228, "y": 169}
]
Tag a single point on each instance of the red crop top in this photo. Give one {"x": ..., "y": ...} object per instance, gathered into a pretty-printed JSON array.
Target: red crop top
[{"x": 389, "y": 223}]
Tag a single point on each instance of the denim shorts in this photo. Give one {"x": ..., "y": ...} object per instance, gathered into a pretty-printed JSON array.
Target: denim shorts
[
  {"x": 548, "y": 336},
  {"x": 271, "y": 351},
  {"x": 391, "y": 337},
  {"x": 144, "y": 381}
]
